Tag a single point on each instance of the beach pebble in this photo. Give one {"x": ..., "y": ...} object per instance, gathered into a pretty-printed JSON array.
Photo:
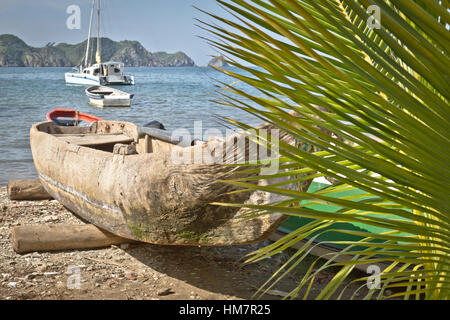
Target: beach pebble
[
  {"x": 165, "y": 292},
  {"x": 31, "y": 276},
  {"x": 42, "y": 268},
  {"x": 130, "y": 275},
  {"x": 5, "y": 276}
]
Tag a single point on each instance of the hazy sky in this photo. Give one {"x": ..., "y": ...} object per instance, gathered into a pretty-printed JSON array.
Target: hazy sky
[{"x": 160, "y": 25}]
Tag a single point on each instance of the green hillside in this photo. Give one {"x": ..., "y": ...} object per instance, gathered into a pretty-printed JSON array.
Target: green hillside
[{"x": 16, "y": 53}]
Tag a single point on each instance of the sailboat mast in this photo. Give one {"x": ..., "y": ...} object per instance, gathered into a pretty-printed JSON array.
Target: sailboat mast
[
  {"x": 89, "y": 35},
  {"x": 98, "y": 56}
]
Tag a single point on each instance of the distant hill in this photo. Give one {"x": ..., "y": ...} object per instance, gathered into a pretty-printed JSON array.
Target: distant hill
[
  {"x": 16, "y": 53},
  {"x": 173, "y": 59},
  {"x": 217, "y": 62}
]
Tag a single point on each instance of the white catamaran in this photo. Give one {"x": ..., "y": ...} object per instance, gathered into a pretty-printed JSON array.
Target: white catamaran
[{"x": 100, "y": 73}]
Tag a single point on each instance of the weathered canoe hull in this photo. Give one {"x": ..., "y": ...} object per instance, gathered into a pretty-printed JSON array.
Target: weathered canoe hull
[{"x": 145, "y": 196}]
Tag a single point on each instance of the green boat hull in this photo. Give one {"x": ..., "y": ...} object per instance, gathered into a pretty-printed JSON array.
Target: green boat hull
[{"x": 293, "y": 223}]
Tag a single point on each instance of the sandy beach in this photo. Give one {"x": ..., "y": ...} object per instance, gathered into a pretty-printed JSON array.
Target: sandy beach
[
  {"x": 138, "y": 271},
  {"x": 120, "y": 272}
]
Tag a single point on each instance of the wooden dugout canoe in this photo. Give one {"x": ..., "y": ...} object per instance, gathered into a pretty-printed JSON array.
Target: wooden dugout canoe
[{"x": 126, "y": 182}]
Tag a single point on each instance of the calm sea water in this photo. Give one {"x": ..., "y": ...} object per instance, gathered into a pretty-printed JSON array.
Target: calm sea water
[{"x": 174, "y": 96}]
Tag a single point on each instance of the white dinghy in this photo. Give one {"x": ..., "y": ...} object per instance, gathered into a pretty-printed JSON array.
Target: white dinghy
[{"x": 103, "y": 96}]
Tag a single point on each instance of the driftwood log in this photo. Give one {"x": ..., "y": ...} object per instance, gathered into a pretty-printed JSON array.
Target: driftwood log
[
  {"x": 27, "y": 189},
  {"x": 61, "y": 237}
]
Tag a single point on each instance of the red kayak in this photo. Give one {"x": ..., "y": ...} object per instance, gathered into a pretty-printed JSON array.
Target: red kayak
[{"x": 70, "y": 117}]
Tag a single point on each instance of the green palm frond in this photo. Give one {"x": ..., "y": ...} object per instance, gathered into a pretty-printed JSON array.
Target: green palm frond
[{"x": 371, "y": 107}]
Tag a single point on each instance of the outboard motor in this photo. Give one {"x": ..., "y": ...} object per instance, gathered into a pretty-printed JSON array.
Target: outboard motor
[
  {"x": 165, "y": 136},
  {"x": 155, "y": 124}
]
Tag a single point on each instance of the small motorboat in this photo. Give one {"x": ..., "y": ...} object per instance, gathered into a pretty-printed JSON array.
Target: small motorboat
[
  {"x": 327, "y": 244},
  {"x": 70, "y": 117},
  {"x": 103, "y": 96}
]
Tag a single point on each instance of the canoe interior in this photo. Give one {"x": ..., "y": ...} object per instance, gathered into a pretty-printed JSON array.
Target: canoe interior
[{"x": 104, "y": 135}]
